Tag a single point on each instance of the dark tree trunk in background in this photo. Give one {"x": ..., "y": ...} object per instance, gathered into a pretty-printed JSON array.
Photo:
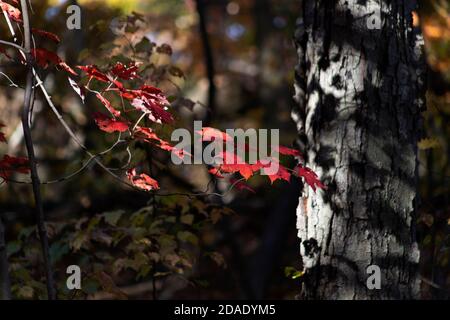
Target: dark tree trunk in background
[
  {"x": 359, "y": 88},
  {"x": 5, "y": 285}
]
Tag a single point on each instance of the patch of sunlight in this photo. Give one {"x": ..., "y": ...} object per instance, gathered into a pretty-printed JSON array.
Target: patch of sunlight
[{"x": 126, "y": 6}]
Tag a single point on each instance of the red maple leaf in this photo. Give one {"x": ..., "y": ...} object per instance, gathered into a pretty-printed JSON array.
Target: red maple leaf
[
  {"x": 108, "y": 105},
  {"x": 126, "y": 72},
  {"x": 149, "y": 136},
  {"x": 232, "y": 163},
  {"x": 288, "y": 151},
  {"x": 155, "y": 108},
  {"x": 109, "y": 125},
  {"x": 93, "y": 72},
  {"x": 46, "y": 34},
  {"x": 9, "y": 165},
  {"x": 282, "y": 173},
  {"x": 12, "y": 11},
  {"x": 310, "y": 177},
  {"x": 44, "y": 57},
  {"x": 142, "y": 181},
  {"x": 211, "y": 134}
]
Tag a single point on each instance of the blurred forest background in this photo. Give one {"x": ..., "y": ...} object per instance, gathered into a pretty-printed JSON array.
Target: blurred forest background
[{"x": 242, "y": 245}]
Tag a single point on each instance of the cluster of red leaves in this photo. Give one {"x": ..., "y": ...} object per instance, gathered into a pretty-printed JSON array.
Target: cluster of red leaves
[
  {"x": 230, "y": 163},
  {"x": 146, "y": 99},
  {"x": 152, "y": 103},
  {"x": 9, "y": 165}
]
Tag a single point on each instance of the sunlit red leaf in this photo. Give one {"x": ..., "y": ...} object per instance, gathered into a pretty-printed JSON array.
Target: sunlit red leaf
[
  {"x": 142, "y": 181},
  {"x": 93, "y": 72},
  {"x": 149, "y": 136},
  {"x": 126, "y": 72},
  {"x": 154, "y": 108},
  {"x": 288, "y": 151},
  {"x": 281, "y": 174},
  {"x": 310, "y": 177},
  {"x": 66, "y": 67},
  {"x": 211, "y": 134},
  {"x": 109, "y": 125},
  {"x": 13, "y": 12},
  {"x": 216, "y": 172}
]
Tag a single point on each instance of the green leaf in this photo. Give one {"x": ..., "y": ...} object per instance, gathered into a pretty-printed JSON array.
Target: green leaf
[
  {"x": 187, "y": 236},
  {"x": 113, "y": 217}
]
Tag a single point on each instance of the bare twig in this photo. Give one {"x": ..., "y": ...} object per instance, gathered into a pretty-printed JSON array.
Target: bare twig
[{"x": 40, "y": 219}]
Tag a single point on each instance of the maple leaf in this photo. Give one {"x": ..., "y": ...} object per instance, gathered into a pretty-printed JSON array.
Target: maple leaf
[
  {"x": 149, "y": 136},
  {"x": 232, "y": 163},
  {"x": 109, "y": 125},
  {"x": 310, "y": 177},
  {"x": 211, "y": 134},
  {"x": 46, "y": 34},
  {"x": 9, "y": 165},
  {"x": 145, "y": 134},
  {"x": 93, "y": 72},
  {"x": 126, "y": 72},
  {"x": 44, "y": 57},
  {"x": 142, "y": 181},
  {"x": 245, "y": 170},
  {"x": 288, "y": 151},
  {"x": 154, "y": 108},
  {"x": 13, "y": 12},
  {"x": 108, "y": 105},
  {"x": 282, "y": 173},
  {"x": 216, "y": 172},
  {"x": 66, "y": 67}
]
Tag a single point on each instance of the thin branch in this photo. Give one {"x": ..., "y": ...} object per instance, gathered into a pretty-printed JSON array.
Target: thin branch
[{"x": 40, "y": 219}]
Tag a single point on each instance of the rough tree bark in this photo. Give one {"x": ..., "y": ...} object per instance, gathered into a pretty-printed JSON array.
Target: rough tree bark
[{"x": 360, "y": 90}]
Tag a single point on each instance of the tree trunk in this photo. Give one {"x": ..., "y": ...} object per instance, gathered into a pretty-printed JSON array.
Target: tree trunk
[
  {"x": 5, "y": 285},
  {"x": 360, "y": 90}
]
